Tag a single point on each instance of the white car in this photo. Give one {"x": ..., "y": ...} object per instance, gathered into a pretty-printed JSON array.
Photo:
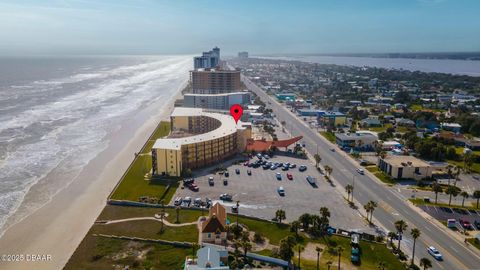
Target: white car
[
  {"x": 281, "y": 191},
  {"x": 435, "y": 253},
  {"x": 360, "y": 171}
]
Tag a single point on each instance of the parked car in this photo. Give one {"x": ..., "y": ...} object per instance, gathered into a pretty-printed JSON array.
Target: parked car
[
  {"x": 466, "y": 224},
  {"x": 188, "y": 181},
  {"x": 266, "y": 156},
  {"x": 355, "y": 257},
  {"x": 193, "y": 187},
  {"x": 197, "y": 202},
  {"x": 289, "y": 176},
  {"x": 249, "y": 172},
  {"x": 477, "y": 223},
  {"x": 435, "y": 253},
  {"x": 225, "y": 181},
  {"x": 237, "y": 171},
  {"x": 177, "y": 201},
  {"x": 285, "y": 168},
  {"x": 208, "y": 202},
  {"x": 210, "y": 181},
  {"x": 332, "y": 149},
  {"x": 187, "y": 201},
  {"x": 266, "y": 167},
  {"x": 360, "y": 171},
  {"x": 311, "y": 180},
  {"x": 302, "y": 168},
  {"x": 225, "y": 197},
  {"x": 273, "y": 167},
  {"x": 278, "y": 176},
  {"x": 227, "y": 174},
  {"x": 234, "y": 209},
  {"x": 293, "y": 165},
  {"x": 281, "y": 191}
]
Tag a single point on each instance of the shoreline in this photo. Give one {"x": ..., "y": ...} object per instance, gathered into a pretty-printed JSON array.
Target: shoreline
[{"x": 63, "y": 222}]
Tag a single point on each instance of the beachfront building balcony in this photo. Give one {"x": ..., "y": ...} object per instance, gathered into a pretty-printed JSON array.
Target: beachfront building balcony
[{"x": 198, "y": 138}]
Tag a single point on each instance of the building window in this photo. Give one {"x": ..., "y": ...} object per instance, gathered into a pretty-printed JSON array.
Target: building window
[
  {"x": 209, "y": 235},
  {"x": 417, "y": 170},
  {"x": 400, "y": 173}
]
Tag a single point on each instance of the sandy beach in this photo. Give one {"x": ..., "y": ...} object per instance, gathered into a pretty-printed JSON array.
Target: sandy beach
[{"x": 55, "y": 230}]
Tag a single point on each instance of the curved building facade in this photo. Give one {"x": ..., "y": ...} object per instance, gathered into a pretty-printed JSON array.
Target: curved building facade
[{"x": 198, "y": 138}]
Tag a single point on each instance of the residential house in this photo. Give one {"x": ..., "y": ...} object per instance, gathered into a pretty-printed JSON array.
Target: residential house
[
  {"x": 454, "y": 127},
  {"x": 370, "y": 122},
  {"x": 214, "y": 228}
]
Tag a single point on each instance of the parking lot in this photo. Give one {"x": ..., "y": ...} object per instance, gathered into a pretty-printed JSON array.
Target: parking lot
[
  {"x": 445, "y": 213},
  {"x": 258, "y": 193}
]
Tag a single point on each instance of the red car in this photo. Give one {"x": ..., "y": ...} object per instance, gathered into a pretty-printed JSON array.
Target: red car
[
  {"x": 289, "y": 176},
  {"x": 193, "y": 187},
  {"x": 465, "y": 224}
]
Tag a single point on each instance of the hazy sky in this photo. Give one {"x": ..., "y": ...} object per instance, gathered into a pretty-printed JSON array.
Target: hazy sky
[{"x": 262, "y": 26}]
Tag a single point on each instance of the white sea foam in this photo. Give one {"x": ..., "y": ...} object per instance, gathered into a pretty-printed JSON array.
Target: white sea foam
[{"x": 64, "y": 131}]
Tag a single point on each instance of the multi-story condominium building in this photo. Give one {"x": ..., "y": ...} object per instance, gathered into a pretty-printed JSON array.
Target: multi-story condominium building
[
  {"x": 198, "y": 138},
  {"x": 215, "y": 81},
  {"x": 210, "y": 59},
  {"x": 216, "y": 101}
]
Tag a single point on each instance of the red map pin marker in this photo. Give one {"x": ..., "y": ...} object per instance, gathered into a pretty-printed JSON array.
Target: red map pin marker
[{"x": 236, "y": 112}]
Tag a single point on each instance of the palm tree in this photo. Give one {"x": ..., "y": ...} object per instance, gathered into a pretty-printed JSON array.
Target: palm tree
[
  {"x": 329, "y": 264},
  {"x": 305, "y": 219},
  {"x": 280, "y": 215},
  {"x": 458, "y": 170},
  {"x": 391, "y": 235},
  {"x": 373, "y": 205},
  {"x": 328, "y": 170},
  {"x": 324, "y": 212},
  {"x": 195, "y": 246},
  {"x": 452, "y": 191},
  {"x": 339, "y": 251},
  {"x": 367, "y": 208},
  {"x": 415, "y": 233},
  {"x": 426, "y": 263},
  {"x": 162, "y": 216},
  {"x": 436, "y": 188},
  {"x": 177, "y": 212},
  {"x": 401, "y": 226},
  {"x": 247, "y": 246},
  {"x": 318, "y": 159},
  {"x": 383, "y": 154},
  {"x": 318, "y": 250},
  {"x": 476, "y": 195},
  {"x": 449, "y": 172},
  {"x": 300, "y": 248},
  {"x": 465, "y": 195},
  {"x": 381, "y": 265},
  {"x": 349, "y": 189},
  {"x": 295, "y": 226}
]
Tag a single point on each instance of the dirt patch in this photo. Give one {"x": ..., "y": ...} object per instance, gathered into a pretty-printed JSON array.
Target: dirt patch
[{"x": 310, "y": 252}]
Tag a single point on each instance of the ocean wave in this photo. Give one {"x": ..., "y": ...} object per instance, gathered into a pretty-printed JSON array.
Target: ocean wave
[{"x": 70, "y": 128}]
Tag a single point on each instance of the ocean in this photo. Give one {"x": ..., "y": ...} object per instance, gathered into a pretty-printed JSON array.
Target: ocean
[
  {"x": 458, "y": 67},
  {"x": 58, "y": 113}
]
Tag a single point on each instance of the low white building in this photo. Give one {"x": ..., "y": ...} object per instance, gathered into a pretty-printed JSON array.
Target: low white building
[{"x": 405, "y": 167}]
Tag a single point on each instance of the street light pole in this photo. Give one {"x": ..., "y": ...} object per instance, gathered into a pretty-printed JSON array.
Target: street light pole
[{"x": 353, "y": 186}]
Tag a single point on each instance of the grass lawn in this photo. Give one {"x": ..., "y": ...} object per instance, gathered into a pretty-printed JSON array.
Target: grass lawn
[
  {"x": 381, "y": 175},
  {"x": 135, "y": 184},
  {"x": 273, "y": 231},
  {"x": 148, "y": 229},
  {"x": 380, "y": 129},
  {"x": 102, "y": 253},
  {"x": 422, "y": 202},
  {"x": 113, "y": 212},
  {"x": 475, "y": 242},
  {"x": 475, "y": 166},
  {"x": 328, "y": 135}
]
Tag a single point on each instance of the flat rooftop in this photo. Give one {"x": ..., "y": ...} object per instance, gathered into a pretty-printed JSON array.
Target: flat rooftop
[
  {"x": 405, "y": 161},
  {"x": 227, "y": 127}
]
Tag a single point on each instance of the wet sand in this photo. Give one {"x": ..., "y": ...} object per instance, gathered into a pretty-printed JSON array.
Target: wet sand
[{"x": 57, "y": 228}]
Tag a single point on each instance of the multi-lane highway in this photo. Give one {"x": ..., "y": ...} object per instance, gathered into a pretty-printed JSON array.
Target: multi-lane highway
[{"x": 392, "y": 206}]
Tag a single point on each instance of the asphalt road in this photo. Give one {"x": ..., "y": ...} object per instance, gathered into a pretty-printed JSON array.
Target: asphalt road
[{"x": 391, "y": 206}]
